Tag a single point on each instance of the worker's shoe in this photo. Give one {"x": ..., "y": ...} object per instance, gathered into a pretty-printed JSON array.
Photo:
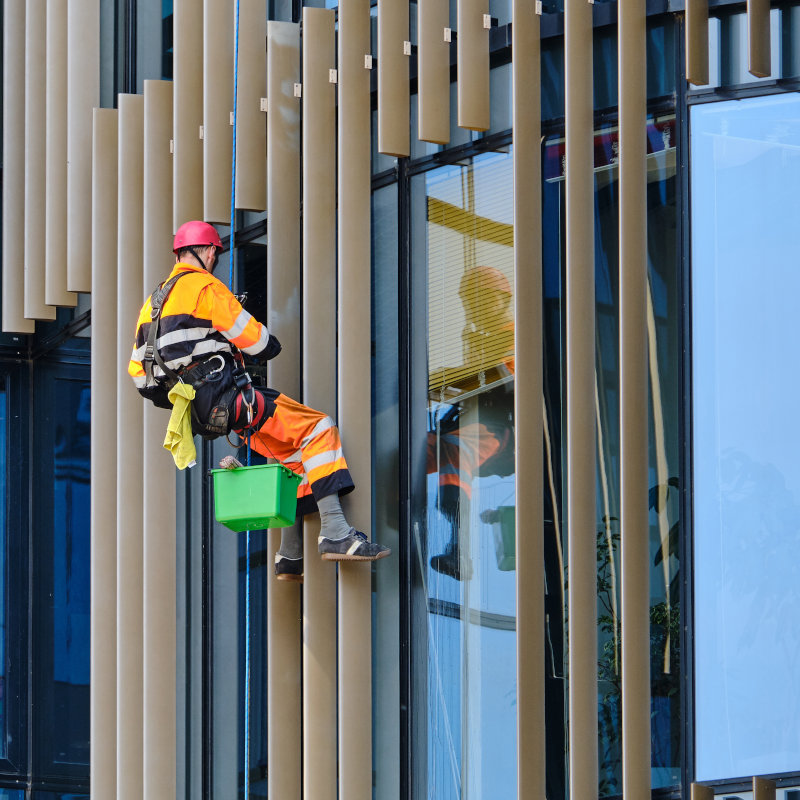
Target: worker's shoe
[
  {"x": 449, "y": 563},
  {"x": 288, "y": 569},
  {"x": 353, "y": 547}
]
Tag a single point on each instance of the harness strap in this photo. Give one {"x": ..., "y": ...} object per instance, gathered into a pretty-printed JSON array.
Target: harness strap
[{"x": 151, "y": 354}]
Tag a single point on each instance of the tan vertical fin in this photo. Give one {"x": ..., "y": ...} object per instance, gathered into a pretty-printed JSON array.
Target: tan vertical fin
[
  {"x": 159, "y": 573},
  {"x": 103, "y": 658},
  {"x": 529, "y": 390},
  {"x": 758, "y": 38},
  {"x": 635, "y": 559},
  {"x": 697, "y": 42},
  {"x": 35, "y": 150},
  {"x": 83, "y": 94},
  {"x": 764, "y": 789},
  {"x": 13, "y": 294},
  {"x": 319, "y": 383},
  {"x": 251, "y": 126},
  {"x": 217, "y": 105},
  {"x": 700, "y": 792},
  {"x": 187, "y": 163},
  {"x": 355, "y": 636},
  {"x": 472, "y": 48},
  {"x": 284, "y": 652},
  {"x": 581, "y": 441},
  {"x": 55, "y": 237},
  {"x": 130, "y": 685},
  {"x": 433, "y": 71},
  {"x": 394, "y": 51}
]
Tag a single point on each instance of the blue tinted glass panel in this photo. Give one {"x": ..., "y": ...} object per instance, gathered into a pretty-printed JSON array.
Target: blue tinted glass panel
[
  {"x": 745, "y": 158},
  {"x": 61, "y": 569},
  {"x": 3, "y": 550},
  {"x": 16, "y": 794},
  {"x": 49, "y": 796},
  {"x": 664, "y": 309},
  {"x": 464, "y": 570}
]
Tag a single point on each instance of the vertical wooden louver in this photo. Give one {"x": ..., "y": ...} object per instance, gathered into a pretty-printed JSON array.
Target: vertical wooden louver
[
  {"x": 83, "y": 94},
  {"x": 35, "y": 125},
  {"x": 472, "y": 47},
  {"x": 319, "y": 384},
  {"x": 758, "y": 38},
  {"x": 103, "y": 658},
  {"x": 251, "y": 126},
  {"x": 284, "y": 707},
  {"x": 217, "y": 104},
  {"x": 187, "y": 164},
  {"x": 394, "y": 50},
  {"x": 55, "y": 234},
  {"x": 13, "y": 299},
  {"x": 158, "y": 475},
  {"x": 355, "y": 391},
  {"x": 764, "y": 789},
  {"x": 700, "y": 792},
  {"x": 580, "y": 357},
  {"x": 130, "y": 286},
  {"x": 635, "y": 559},
  {"x": 433, "y": 71},
  {"x": 528, "y": 393},
  {"x": 697, "y": 42}
]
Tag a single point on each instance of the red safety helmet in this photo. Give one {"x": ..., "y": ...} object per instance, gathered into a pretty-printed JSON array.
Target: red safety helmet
[{"x": 196, "y": 234}]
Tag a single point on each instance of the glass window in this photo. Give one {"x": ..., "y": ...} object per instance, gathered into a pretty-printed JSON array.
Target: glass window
[
  {"x": 61, "y": 569},
  {"x": 463, "y": 578},
  {"x": 745, "y": 169},
  {"x": 662, "y": 338},
  {"x": 386, "y": 393}
]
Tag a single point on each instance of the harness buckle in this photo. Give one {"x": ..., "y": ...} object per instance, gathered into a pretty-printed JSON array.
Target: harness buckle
[
  {"x": 149, "y": 353},
  {"x": 242, "y": 380}
]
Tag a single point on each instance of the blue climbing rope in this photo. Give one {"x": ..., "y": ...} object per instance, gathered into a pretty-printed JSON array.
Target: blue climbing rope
[{"x": 232, "y": 261}]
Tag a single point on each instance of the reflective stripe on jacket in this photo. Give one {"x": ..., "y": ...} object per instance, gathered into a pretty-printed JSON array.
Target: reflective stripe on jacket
[{"x": 200, "y": 317}]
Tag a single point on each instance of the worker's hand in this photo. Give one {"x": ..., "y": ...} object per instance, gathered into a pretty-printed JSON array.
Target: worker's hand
[{"x": 229, "y": 462}]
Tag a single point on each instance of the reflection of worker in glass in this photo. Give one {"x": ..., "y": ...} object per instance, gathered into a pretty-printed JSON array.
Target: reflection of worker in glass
[{"x": 460, "y": 451}]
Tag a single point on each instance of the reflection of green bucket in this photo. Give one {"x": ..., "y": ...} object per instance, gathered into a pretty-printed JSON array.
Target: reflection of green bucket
[
  {"x": 503, "y": 527},
  {"x": 252, "y": 498}
]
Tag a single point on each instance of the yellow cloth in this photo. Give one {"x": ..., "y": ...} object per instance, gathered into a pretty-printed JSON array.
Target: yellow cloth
[{"x": 179, "y": 440}]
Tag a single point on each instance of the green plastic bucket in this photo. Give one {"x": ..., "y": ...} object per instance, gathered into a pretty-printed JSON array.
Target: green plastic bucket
[{"x": 252, "y": 498}]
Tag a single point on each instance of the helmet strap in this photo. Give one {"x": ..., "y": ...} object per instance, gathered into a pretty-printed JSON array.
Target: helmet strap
[{"x": 199, "y": 260}]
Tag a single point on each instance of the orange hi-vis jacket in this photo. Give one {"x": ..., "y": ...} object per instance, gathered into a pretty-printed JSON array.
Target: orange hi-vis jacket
[{"x": 201, "y": 317}]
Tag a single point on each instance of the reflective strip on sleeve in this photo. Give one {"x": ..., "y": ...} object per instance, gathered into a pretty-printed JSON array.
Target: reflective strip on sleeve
[
  {"x": 237, "y": 329},
  {"x": 263, "y": 340}
]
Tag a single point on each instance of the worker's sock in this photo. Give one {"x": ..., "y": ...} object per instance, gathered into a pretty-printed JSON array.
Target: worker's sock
[
  {"x": 291, "y": 543},
  {"x": 334, "y": 524}
]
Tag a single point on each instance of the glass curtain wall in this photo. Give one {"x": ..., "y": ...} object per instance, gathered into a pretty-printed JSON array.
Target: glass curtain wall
[
  {"x": 745, "y": 162},
  {"x": 463, "y": 494},
  {"x": 663, "y": 314},
  {"x": 462, "y": 571}
]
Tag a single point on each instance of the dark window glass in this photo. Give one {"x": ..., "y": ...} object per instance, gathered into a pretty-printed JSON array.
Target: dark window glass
[
  {"x": 662, "y": 339},
  {"x": 50, "y": 796},
  {"x": 4, "y": 695},
  {"x": 61, "y": 569}
]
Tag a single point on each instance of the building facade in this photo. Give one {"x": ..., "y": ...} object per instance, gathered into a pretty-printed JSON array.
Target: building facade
[{"x": 538, "y": 260}]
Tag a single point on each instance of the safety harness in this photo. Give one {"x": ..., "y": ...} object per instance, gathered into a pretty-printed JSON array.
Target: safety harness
[{"x": 197, "y": 373}]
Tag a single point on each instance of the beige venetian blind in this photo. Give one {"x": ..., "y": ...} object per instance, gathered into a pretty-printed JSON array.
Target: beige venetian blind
[{"x": 470, "y": 276}]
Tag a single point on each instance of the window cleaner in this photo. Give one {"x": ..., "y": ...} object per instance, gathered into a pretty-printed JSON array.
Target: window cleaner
[{"x": 193, "y": 330}]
